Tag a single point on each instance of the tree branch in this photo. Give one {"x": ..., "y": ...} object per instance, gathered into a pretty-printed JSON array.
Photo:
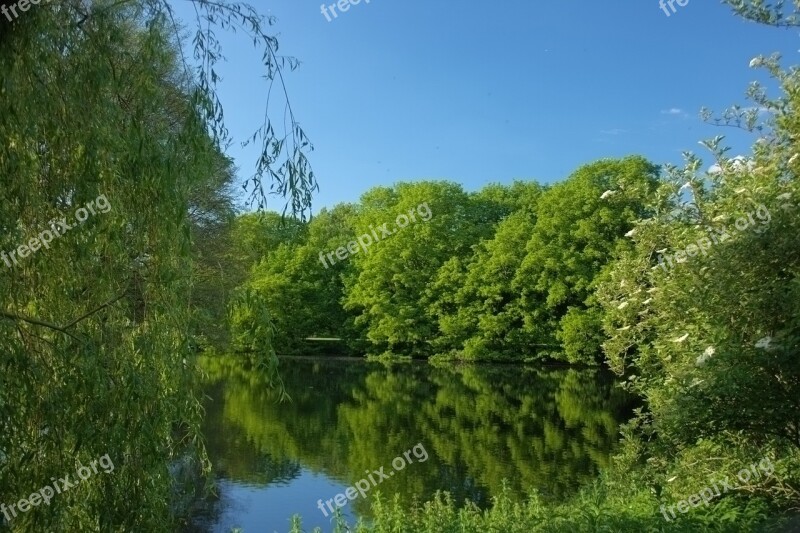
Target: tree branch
[
  {"x": 37, "y": 322},
  {"x": 90, "y": 313},
  {"x": 56, "y": 327}
]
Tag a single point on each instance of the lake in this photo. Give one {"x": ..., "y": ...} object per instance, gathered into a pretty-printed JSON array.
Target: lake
[{"x": 409, "y": 429}]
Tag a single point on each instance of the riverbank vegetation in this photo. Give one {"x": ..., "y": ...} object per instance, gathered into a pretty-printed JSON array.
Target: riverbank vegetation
[
  {"x": 683, "y": 280},
  {"x": 102, "y": 326}
]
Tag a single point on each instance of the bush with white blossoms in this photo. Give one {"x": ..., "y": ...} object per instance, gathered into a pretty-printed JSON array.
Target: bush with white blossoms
[{"x": 705, "y": 340}]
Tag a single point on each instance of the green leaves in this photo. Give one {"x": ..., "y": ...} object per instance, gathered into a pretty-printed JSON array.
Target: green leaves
[
  {"x": 479, "y": 276},
  {"x": 95, "y": 101}
]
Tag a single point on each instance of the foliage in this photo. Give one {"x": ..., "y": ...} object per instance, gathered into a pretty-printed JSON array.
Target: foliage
[
  {"x": 476, "y": 307},
  {"x": 704, "y": 337},
  {"x": 303, "y": 296},
  {"x": 585, "y": 515},
  {"x": 483, "y": 279},
  {"x": 388, "y": 286},
  {"x": 580, "y": 224},
  {"x": 96, "y": 355}
]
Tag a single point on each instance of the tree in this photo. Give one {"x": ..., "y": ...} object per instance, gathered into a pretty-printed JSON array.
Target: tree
[
  {"x": 96, "y": 110},
  {"x": 580, "y": 225},
  {"x": 387, "y": 289},
  {"x": 478, "y": 310}
]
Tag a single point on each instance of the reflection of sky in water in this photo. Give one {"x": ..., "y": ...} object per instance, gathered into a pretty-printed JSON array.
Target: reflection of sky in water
[{"x": 269, "y": 509}]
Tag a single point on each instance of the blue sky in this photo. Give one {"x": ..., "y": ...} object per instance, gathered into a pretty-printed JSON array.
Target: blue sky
[{"x": 480, "y": 92}]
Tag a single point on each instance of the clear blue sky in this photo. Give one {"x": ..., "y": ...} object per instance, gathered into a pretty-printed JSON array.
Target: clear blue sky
[{"x": 479, "y": 92}]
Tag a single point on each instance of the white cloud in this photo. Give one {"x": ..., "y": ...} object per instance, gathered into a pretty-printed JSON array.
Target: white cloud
[
  {"x": 736, "y": 164},
  {"x": 673, "y": 111}
]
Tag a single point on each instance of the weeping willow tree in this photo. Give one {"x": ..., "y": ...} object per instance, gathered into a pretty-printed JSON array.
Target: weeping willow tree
[{"x": 108, "y": 140}]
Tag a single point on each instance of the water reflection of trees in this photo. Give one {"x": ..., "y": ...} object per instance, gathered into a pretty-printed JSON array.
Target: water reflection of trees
[{"x": 537, "y": 428}]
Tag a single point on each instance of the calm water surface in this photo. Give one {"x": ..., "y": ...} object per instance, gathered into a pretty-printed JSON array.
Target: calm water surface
[{"x": 548, "y": 429}]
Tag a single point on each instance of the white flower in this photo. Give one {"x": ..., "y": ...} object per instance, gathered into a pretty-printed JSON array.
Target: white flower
[
  {"x": 623, "y": 305},
  {"x": 763, "y": 343},
  {"x": 740, "y": 162},
  {"x": 681, "y": 339},
  {"x": 685, "y": 186},
  {"x": 707, "y": 354},
  {"x": 607, "y": 194},
  {"x": 647, "y": 301},
  {"x": 756, "y": 62},
  {"x": 673, "y": 478},
  {"x": 784, "y": 196},
  {"x": 631, "y": 233},
  {"x": 793, "y": 158},
  {"x": 662, "y": 251}
]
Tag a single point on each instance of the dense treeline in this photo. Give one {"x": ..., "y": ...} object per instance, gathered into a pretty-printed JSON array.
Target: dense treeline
[{"x": 508, "y": 272}]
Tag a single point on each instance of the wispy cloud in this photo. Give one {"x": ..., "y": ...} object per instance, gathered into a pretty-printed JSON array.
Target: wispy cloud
[
  {"x": 613, "y": 131},
  {"x": 761, "y": 109},
  {"x": 674, "y": 111}
]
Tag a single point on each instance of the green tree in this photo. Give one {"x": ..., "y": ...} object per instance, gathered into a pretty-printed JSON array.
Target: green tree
[
  {"x": 304, "y": 293},
  {"x": 580, "y": 225},
  {"x": 95, "y": 104},
  {"x": 478, "y": 310},
  {"x": 388, "y": 287}
]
